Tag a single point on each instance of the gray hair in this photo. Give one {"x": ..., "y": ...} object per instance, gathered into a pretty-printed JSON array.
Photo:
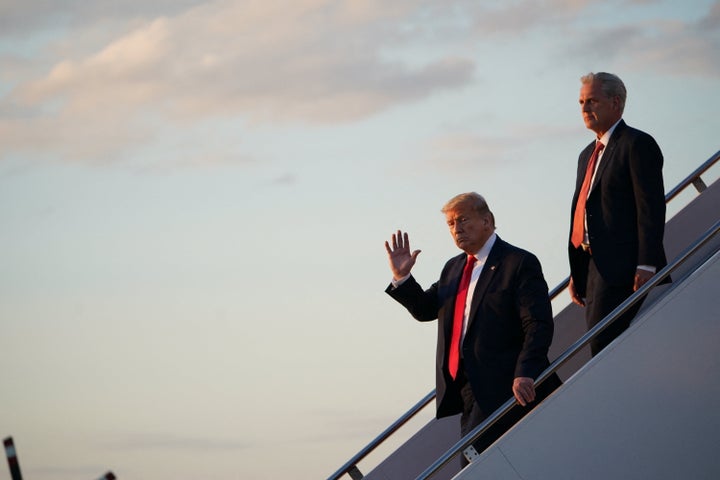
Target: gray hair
[{"x": 610, "y": 84}]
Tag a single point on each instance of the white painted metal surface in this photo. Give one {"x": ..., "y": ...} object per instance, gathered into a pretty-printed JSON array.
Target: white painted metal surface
[{"x": 645, "y": 408}]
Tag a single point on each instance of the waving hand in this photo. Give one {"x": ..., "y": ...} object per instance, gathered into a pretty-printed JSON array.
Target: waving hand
[{"x": 399, "y": 255}]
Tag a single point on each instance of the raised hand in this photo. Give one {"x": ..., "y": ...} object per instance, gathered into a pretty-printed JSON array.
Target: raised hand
[{"x": 399, "y": 255}]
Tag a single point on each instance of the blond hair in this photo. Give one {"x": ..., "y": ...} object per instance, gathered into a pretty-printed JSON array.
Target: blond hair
[{"x": 473, "y": 200}]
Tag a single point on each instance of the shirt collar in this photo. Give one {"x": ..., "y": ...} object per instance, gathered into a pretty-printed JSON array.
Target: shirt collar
[
  {"x": 483, "y": 253},
  {"x": 606, "y": 137}
]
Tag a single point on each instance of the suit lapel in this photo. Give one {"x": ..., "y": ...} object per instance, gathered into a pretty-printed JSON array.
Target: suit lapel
[
  {"x": 607, "y": 156},
  {"x": 488, "y": 272}
]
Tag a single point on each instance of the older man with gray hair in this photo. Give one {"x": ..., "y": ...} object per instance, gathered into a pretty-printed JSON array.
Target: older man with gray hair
[{"x": 618, "y": 209}]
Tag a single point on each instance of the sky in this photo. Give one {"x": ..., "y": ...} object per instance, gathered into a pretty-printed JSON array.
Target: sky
[{"x": 194, "y": 197}]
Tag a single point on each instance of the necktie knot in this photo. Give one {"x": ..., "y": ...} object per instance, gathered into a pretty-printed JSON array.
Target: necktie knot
[{"x": 471, "y": 259}]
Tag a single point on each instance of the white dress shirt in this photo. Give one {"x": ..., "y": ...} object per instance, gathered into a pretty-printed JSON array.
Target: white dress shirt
[{"x": 482, "y": 257}]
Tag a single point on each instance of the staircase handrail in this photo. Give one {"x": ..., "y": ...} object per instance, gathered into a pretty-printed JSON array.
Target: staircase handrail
[
  {"x": 350, "y": 466},
  {"x": 573, "y": 349}
]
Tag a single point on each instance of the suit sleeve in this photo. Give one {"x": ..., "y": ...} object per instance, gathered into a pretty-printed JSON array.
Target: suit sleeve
[
  {"x": 422, "y": 305},
  {"x": 646, "y": 163},
  {"x": 535, "y": 312}
]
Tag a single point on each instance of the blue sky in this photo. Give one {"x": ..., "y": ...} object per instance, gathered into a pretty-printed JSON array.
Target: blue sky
[{"x": 194, "y": 197}]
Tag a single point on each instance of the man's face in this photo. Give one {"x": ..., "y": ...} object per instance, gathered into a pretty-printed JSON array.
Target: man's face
[
  {"x": 469, "y": 229},
  {"x": 599, "y": 111}
]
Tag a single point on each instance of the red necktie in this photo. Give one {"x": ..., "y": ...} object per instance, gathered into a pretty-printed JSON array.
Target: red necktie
[
  {"x": 578, "y": 231},
  {"x": 454, "y": 354}
]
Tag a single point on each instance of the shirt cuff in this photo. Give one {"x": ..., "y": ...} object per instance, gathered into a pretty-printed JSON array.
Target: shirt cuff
[
  {"x": 648, "y": 268},
  {"x": 400, "y": 281}
]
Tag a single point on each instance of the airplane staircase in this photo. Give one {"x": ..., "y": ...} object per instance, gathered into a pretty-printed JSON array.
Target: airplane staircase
[{"x": 645, "y": 407}]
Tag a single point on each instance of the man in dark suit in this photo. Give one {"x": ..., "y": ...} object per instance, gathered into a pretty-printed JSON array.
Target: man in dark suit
[
  {"x": 492, "y": 343},
  {"x": 616, "y": 239}
]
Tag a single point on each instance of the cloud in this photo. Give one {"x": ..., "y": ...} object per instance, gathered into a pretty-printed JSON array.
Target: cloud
[
  {"x": 649, "y": 36},
  {"x": 18, "y": 17},
  {"x": 660, "y": 44},
  {"x": 285, "y": 179},
  {"x": 174, "y": 442},
  {"x": 711, "y": 22},
  {"x": 458, "y": 150},
  {"x": 513, "y": 18},
  {"x": 86, "y": 87},
  {"x": 310, "y": 61}
]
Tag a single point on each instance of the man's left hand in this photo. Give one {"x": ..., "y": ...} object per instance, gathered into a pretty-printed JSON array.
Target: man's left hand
[
  {"x": 524, "y": 390},
  {"x": 641, "y": 277}
]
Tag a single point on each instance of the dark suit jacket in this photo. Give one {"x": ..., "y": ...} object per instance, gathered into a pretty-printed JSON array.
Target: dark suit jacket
[
  {"x": 509, "y": 331},
  {"x": 625, "y": 209}
]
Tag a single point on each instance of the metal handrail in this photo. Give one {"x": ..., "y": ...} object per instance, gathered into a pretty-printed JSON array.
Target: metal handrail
[
  {"x": 693, "y": 177},
  {"x": 351, "y": 465},
  {"x": 471, "y": 437}
]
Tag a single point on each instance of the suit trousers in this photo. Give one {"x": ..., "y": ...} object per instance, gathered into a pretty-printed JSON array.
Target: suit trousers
[
  {"x": 472, "y": 416},
  {"x": 601, "y": 299}
]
